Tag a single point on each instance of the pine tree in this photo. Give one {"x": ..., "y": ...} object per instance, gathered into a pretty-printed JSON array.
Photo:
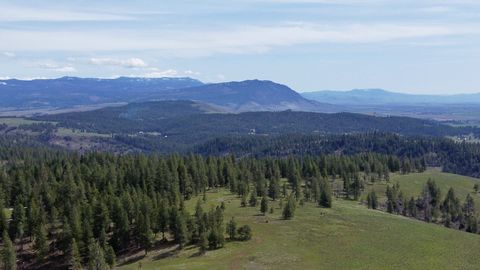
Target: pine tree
[
  {"x": 40, "y": 244},
  {"x": 231, "y": 229},
  {"x": 289, "y": 209},
  {"x": 325, "y": 199},
  {"x": 264, "y": 205},
  {"x": 110, "y": 256},
  {"x": 412, "y": 208},
  {"x": 372, "y": 200},
  {"x": 244, "y": 233},
  {"x": 3, "y": 217},
  {"x": 181, "y": 230},
  {"x": 215, "y": 238},
  {"x": 203, "y": 243},
  {"x": 274, "y": 187},
  {"x": 253, "y": 199},
  {"x": 9, "y": 256},
  {"x": 17, "y": 225},
  {"x": 96, "y": 257},
  {"x": 243, "y": 202},
  {"x": 471, "y": 224},
  {"x": 74, "y": 260},
  {"x": 146, "y": 235}
]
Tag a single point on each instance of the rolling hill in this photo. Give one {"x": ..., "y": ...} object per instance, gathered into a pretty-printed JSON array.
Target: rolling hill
[
  {"x": 348, "y": 236},
  {"x": 195, "y": 119}
]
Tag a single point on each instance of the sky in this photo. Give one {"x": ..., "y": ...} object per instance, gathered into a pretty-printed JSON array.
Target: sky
[{"x": 413, "y": 46}]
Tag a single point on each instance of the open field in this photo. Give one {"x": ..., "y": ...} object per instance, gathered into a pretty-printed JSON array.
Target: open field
[
  {"x": 412, "y": 184},
  {"x": 348, "y": 236},
  {"x": 17, "y": 121},
  {"x": 76, "y": 133}
]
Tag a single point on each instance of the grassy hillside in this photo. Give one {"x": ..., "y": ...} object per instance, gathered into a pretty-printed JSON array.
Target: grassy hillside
[
  {"x": 348, "y": 236},
  {"x": 412, "y": 184}
]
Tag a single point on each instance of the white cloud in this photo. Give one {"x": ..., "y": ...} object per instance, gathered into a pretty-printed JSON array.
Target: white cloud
[
  {"x": 191, "y": 73},
  {"x": 161, "y": 73},
  {"x": 54, "y": 66},
  {"x": 239, "y": 40},
  {"x": 128, "y": 63}
]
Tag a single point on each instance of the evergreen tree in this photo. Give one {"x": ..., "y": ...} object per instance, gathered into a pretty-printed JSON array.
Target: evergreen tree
[
  {"x": 253, "y": 199},
  {"x": 231, "y": 229},
  {"x": 471, "y": 223},
  {"x": 40, "y": 244},
  {"x": 372, "y": 200},
  {"x": 181, "y": 230},
  {"x": 96, "y": 257},
  {"x": 203, "y": 243},
  {"x": 243, "y": 202},
  {"x": 325, "y": 199},
  {"x": 146, "y": 235},
  {"x": 74, "y": 257},
  {"x": 274, "y": 187},
  {"x": 215, "y": 238},
  {"x": 244, "y": 233},
  {"x": 17, "y": 225},
  {"x": 3, "y": 217},
  {"x": 289, "y": 209},
  {"x": 264, "y": 205},
  {"x": 9, "y": 256},
  {"x": 451, "y": 209},
  {"x": 412, "y": 208},
  {"x": 110, "y": 256},
  {"x": 476, "y": 187}
]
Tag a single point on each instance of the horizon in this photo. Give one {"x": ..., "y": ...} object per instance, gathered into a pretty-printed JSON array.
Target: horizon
[{"x": 414, "y": 47}]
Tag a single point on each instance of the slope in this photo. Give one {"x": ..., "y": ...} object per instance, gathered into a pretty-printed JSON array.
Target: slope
[
  {"x": 348, "y": 236},
  {"x": 250, "y": 95}
]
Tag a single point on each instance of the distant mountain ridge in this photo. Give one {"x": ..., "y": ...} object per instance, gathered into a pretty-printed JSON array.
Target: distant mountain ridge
[
  {"x": 73, "y": 91},
  {"x": 384, "y": 97},
  {"x": 250, "y": 95},
  {"x": 67, "y": 92}
]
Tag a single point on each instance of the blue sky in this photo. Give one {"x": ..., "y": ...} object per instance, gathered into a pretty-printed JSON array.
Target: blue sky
[{"x": 416, "y": 46}]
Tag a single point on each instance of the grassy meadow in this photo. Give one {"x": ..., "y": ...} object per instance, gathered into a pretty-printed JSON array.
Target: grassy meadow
[
  {"x": 348, "y": 236},
  {"x": 412, "y": 184}
]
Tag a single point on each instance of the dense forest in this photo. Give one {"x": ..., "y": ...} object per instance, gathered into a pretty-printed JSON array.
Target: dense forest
[
  {"x": 192, "y": 121},
  {"x": 70, "y": 209},
  {"x": 454, "y": 157}
]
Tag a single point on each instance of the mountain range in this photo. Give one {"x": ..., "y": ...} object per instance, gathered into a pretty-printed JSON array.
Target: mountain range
[
  {"x": 46, "y": 96},
  {"x": 251, "y": 95},
  {"x": 384, "y": 97}
]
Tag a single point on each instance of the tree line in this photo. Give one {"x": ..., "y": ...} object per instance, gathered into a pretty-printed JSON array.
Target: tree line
[
  {"x": 90, "y": 208},
  {"x": 430, "y": 206}
]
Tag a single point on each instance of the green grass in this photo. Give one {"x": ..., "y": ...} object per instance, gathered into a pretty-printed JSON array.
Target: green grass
[
  {"x": 348, "y": 236},
  {"x": 76, "y": 133},
  {"x": 412, "y": 184},
  {"x": 15, "y": 122}
]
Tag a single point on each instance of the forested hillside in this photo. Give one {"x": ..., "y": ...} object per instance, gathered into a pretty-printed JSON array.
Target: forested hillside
[
  {"x": 70, "y": 209},
  {"x": 175, "y": 118}
]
